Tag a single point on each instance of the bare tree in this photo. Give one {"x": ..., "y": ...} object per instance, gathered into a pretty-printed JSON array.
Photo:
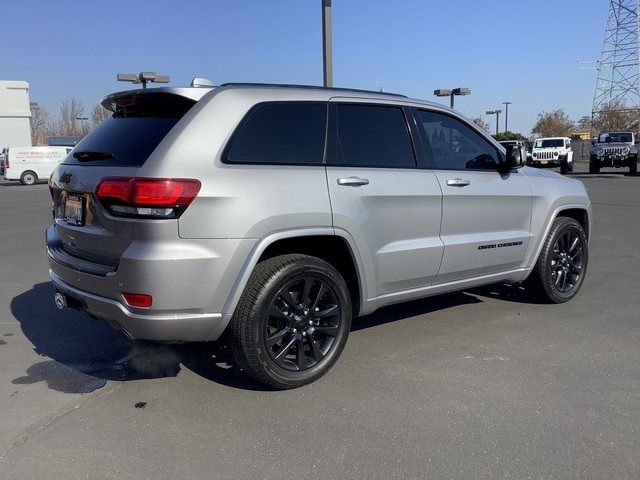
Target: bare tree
[
  {"x": 482, "y": 124},
  {"x": 613, "y": 116},
  {"x": 553, "y": 124},
  {"x": 98, "y": 115},
  {"x": 66, "y": 124},
  {"x": 42, "y": 125}
]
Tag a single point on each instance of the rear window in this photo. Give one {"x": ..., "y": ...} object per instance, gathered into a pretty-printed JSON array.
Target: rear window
[
  {"x": 281, "y": 133},
  {"x": 132, "y": 133},
  {"x": 129, "y": 140}
]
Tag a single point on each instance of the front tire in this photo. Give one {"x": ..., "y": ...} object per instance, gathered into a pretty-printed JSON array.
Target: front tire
[
  {"x": 564, "y": 167},
  {"x": 28, "y": 178},
  {"x": 292, "y": 321},
  {"x": 633, "y": 167},
  {"x": 562, "y": 264},
  {"x": 594, "y": 167}
]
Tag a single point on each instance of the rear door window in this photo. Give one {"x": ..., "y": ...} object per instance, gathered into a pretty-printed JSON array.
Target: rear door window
[
  {"x": 290, "y": 133},
  {"x": 372, "y": 136}
]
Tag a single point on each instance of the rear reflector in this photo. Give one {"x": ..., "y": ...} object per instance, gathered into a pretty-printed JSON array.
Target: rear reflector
[
  {"x": 147, "y": 197},
  {"x": 139, "y": 300}
]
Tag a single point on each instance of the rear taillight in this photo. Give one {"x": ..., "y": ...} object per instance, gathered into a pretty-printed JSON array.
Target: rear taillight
[{"x": 147, "y": 197}]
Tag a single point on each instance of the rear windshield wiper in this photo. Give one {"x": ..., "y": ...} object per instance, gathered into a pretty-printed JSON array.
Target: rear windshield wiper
[{"x": 88, "y": 156}]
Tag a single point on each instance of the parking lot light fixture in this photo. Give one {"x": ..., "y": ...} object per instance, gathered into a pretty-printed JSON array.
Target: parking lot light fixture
[
  {"x": 143, "y": 78},
  {"x": 451, "y": 93},
  {"x": 497, "y": 114}
]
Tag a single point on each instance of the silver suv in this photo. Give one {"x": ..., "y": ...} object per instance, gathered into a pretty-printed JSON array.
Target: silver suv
[{"x": 274, "y": 214}]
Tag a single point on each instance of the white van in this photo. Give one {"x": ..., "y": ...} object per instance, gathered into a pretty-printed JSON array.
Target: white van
[{"x": 30, "y": 164}]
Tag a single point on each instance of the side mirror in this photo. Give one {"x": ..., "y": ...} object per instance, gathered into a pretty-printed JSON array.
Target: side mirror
[{"x": 516, "y": 157}]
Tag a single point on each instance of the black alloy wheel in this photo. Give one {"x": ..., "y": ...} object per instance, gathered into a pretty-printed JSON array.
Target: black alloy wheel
[
  {"x": 562, "y": 264},
  {"x": 302, "y": 323},
  {"x": 292, "y": 321},
  {"x": 566, "y": 261}
]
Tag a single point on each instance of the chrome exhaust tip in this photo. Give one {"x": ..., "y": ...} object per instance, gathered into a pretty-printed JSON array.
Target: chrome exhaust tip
[{"x": 60, "y": 300}]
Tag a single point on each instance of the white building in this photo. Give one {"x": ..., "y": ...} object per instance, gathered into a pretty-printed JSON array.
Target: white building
[{"x": 15, "y": 130}]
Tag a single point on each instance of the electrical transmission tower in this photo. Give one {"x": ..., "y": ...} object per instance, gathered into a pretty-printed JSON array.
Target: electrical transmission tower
[{"x": 618, "y": 85}]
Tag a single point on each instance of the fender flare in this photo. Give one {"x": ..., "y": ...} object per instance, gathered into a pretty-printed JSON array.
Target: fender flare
[
  {"x": 266, "y": 241},
  {"x": 552, "y": 217}
]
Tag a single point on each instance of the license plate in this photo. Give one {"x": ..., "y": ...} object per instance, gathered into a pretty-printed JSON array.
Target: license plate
[
  {"x": 73, "y": 210},
  {"x": 544, "y": 162}
]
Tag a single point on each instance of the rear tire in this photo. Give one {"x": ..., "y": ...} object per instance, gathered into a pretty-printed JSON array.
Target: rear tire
[
  {"x": 593, "y": 166},
  {"x": 292, "y": 321},
  {"x": 562, "y": 264},
  {"x": 28, "y": 178}
]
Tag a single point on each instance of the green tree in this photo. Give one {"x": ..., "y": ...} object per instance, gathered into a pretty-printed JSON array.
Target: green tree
[
  {"x": 502, "y": 136},
  {"x": 584, "y": 124}
]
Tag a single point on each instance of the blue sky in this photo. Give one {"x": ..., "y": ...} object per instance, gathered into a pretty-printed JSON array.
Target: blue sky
[{"x": 521, "y": 51}]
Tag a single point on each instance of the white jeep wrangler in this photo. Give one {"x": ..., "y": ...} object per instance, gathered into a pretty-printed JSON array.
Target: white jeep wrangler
[{"x": 552, "y": 152}]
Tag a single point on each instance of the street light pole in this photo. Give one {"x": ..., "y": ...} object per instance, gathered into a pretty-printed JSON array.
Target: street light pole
[
  {"x": 82, "y": 120},
  {"x": 327, "y": 41},
  {"x": 506, "y": 115}
]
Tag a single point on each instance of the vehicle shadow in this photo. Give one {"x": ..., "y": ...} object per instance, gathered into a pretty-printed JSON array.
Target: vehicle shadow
[
  {"x": 18, "y": 184},
  {"x": 607, "y": 175},
  {"x": 402, "y": 311},
  {"x": 509, "y": 292},
  {"x": 83, "y": 354}
]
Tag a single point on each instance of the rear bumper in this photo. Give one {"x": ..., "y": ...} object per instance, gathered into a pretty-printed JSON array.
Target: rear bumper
[
  {"x": 189, "y": 280},
  {"x": 170, "y": 327}
]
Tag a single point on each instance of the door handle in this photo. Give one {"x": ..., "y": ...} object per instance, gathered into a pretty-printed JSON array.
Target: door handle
[
  {"x": 458, "y": 182},
  {"x": 353, "y": 181}
]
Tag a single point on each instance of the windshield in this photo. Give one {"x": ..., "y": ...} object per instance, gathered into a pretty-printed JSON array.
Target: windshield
[
  {"x": 622, "y": 137},
  {"x": 549, "y": 143}
]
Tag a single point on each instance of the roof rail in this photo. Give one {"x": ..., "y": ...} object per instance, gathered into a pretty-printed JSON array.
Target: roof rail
[{"x": 310, "y": 87}]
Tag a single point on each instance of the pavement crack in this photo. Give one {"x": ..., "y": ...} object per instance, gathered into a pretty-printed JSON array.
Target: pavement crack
[{"x": 27, "y": 433}]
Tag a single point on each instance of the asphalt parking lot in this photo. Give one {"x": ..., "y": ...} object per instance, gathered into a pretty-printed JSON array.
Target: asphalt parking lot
[{"x": 478, "y": 384}]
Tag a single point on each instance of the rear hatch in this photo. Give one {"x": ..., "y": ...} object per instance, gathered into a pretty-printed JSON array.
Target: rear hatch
[{"x": 95, "y": 229}]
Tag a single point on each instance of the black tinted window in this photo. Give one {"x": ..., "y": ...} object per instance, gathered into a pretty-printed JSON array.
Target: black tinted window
[
  {"x": 456, "y": 146},
  {"x": 289, "y": 133},
  {"x": 121, "y": 141},
  {"x": 373, "y": 136}
]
